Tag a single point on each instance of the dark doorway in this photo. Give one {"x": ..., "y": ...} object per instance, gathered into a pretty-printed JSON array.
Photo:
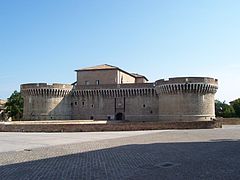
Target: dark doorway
[{"x": 119, "y": 116}]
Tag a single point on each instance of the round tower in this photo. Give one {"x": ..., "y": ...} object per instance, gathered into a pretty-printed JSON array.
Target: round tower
[
  {"x": 187, "y": 98},
  {"x": 46, "y": 102}
]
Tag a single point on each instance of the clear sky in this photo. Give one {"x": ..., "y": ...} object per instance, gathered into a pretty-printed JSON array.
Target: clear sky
[{"x": 45, "y": 41}]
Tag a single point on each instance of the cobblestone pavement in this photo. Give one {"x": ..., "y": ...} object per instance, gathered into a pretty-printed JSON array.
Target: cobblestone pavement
[
  {"x": 184, "y": 154},
  {"x": 15, "y": 141}
]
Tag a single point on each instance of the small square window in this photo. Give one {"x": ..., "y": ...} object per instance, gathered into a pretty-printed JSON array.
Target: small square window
[{"x": 97, "y": 82}]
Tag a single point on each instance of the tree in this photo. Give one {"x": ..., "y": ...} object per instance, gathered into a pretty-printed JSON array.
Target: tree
[
  {"x": 236, "y": 106},
  {"x": 224, "y": 110},
  {"x": 228, "y": 112},
  {"x": 14, "y": 106},
  {"x": 218, "y": 108}
]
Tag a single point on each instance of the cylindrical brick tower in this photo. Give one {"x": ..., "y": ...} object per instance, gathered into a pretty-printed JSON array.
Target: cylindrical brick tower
[
  {"x": 43, "y": 102},
  {"x": 187, "y": 98}
]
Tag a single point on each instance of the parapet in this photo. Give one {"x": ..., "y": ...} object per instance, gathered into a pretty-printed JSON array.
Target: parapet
[
  {"x": 175, "y": 80},
  {"x": 187, "y": 85},
  {"x": 115, "y": 86},
  {"x": 45, "y": 85},
  {"x": 54, "y": 89},
  {"x": 115, "y": 90}
]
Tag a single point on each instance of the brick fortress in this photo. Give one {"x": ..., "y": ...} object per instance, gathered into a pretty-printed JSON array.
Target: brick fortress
[{"x": 110, "y": 93}]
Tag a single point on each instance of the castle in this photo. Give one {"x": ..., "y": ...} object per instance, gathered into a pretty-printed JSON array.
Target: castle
[{"x": 110, "y": 93}]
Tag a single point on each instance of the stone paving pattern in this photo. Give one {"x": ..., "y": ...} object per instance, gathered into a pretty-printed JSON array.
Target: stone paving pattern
[{"x": 147, "y": 156}]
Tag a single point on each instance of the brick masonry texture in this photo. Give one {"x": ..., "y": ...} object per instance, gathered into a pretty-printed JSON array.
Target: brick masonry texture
[
  {"x": 127, "y": 126},
  {"x": 229, "y": 121}
]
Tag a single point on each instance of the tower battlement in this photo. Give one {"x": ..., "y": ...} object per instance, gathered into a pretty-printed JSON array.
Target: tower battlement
[
  {"x": 45, "y": 89},
  {"x": 176, "y": 80},
  {"x": 201, "y": 85}
]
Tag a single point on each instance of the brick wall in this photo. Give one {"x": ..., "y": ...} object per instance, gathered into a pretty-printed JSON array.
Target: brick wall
[
  {"x": 125, "y": 126},
  {"x": 229, "y": 121}
]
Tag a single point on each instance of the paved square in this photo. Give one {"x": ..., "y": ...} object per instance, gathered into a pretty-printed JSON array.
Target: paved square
[{"x": 173, "y": 154}]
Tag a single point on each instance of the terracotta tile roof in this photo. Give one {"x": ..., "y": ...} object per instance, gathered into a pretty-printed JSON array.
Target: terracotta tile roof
[
  {"x": 99, "y": 67},
  {"x": 108, "y": 67},
  {"x": 139, "y": 76}
]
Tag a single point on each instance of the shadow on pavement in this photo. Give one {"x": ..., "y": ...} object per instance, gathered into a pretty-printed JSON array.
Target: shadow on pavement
[{"x": 195, "y": 160}]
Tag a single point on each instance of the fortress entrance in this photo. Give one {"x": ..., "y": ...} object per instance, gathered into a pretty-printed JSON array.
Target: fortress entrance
[
  {"x": 119, "y": 116},
  {"x": 119, "y": 108}
]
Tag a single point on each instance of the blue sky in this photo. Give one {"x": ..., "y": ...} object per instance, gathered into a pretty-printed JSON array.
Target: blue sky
[{"x": 45, "y": 41}]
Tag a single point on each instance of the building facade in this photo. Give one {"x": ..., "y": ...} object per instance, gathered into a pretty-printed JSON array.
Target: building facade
[
  {"x": 2, "y": 110},
  {"x": 108, "y": 92}
]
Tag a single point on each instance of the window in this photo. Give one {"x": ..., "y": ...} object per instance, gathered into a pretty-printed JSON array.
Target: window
[
  {"x": 83, "y": 103},
  {"x": 76, "y": 102},
  {"x": 144, "y": 105},
  {"x": 97, "y": 82},
  {"x": 86, "y": 82}
]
